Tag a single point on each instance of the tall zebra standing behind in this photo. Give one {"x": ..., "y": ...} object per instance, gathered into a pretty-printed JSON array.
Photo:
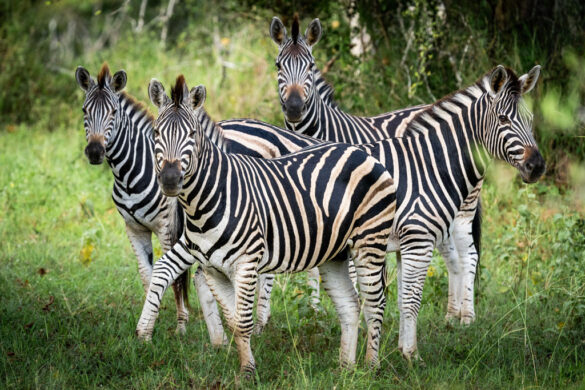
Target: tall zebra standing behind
[
  {"x": 120, "y": 129},
  {"x": 308, "y": 107},
  {"x": 247, "y": 216}
]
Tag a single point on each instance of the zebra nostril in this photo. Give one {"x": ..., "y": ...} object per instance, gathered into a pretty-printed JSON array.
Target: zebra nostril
[{"x": 529, "y": 166}]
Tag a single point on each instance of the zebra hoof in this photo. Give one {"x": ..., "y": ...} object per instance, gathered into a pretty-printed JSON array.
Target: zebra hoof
[
  {"x": 467, "y": 320},
  {"x": 181, "y": 330},
  {"x": 258, "y": 329},
  {"x": 144, "y": 335},
  {"x": 451, "y": 319}
]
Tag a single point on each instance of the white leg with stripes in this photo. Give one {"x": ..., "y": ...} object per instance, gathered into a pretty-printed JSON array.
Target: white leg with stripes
[
  {"x": 370, "y": 267},
  {"x": 209, "y": 308},
  {"x": 338, "y": 285},
  {"x": 265, "y": 283},
  {"x": 313, "y": 282},
  {"x": 141, "y": 241},
  {"x": 451, "y": 256},
  {"x": 415, "y": 264},
  {"x": 165, "y": 271},
  {"x": 468, "y": 263}
]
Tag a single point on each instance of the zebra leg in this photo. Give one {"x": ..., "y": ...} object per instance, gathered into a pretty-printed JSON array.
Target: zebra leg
[
  {"x": 371, "y": 268},
  {"x": 451, "y": 256},
  {"x": 338, "y": 285},
  {"x": 141, "y": 241},
  {"x": 415, "y": 264},
  {"x": 265, "y": 283},
  {"x": 468, "y": 263},
  {"x": 236, "y": 299},
  {"x": 179, "y": 289},
  {"x": 399, "y": 299},
  {"x": 313, "y": 282},
  {"x": 165, "y": 271},
  {"x": 210, "y": 311}
]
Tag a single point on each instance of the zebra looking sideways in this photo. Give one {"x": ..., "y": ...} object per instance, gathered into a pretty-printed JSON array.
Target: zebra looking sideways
[
  {"x": 308, "y": 107},
  {"x": 247, "y": 216},
  {"x": 119, "y": 128}
]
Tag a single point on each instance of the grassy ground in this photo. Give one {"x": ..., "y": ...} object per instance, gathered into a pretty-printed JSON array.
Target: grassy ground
[{"x": 72, "y": 296}]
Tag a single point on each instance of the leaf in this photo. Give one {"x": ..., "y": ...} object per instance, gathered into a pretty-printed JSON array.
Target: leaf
[{"x": 86, "y": 253}]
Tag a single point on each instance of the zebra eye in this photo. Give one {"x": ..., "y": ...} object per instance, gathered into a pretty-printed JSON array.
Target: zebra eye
[
  {"x": 84, "y": 111},
  {"x": 503, "y": 119},
  {"x": 156, "y": 132},
  {"x": 277, "y": 65},
  {"x": 311, "y": 65}
]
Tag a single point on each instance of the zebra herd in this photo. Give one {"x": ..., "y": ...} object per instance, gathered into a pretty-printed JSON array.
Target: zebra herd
[{"x": 246, "y": 200}]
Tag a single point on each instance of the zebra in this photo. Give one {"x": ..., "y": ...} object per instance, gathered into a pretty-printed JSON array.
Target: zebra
[
  {"x": 437, "y": 165},
  {"x": 247, "y": 216},
  {"x": 307, "y": 103},
  {"x": 119, "y": 129}
]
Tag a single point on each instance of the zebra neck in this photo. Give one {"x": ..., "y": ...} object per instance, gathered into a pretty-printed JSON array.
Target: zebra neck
[
  {"x": 205, "y": 189},
  {"x": 131, "y": 144},
  {"x": 455, "y": 125}
]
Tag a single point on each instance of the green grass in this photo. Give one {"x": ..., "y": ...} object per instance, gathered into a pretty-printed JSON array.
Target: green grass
[{"x": 68, "y": 312}]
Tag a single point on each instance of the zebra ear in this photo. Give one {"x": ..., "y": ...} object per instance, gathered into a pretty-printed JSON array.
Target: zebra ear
[
  {"x": 83, "y": 78},
  {"x": 277, "y": 31},
  {"x": 498, "y": 79},
  {"x": 198, "y": 95},
  {"x": 118, "y": 81},
  {"x": 313, "y": 33},
  {"x": 528, "y": 81},
  {"x": 157, "y": 94}
]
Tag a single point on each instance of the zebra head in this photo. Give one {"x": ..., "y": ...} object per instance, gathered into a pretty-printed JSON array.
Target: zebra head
[
  {"x": 176, "y": 131},
  {"x": 296, "y": 66},
  {"x": 99, "y": 109},
  {"x": 508, "y": 124}
]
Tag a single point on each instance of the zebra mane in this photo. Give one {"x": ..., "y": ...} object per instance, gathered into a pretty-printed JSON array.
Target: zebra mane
[
  {"x": 177, "y": 91},
  {"x": 464, "y": 96},
  {"x": 104, "y": 75},
  {"x": 212, "y": 130},
  {"x": 295, "y": 28},
  {"x": 137, "y": 105},
  {"x": 324, "y": 89}
]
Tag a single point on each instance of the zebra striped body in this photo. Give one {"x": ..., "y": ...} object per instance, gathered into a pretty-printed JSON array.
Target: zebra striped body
[
  {"x": 120, "y": 129},
  {"x": 308, "y": 107},
  {"x": 247, "y": 216},
  {"x": 438, "y": 164}
]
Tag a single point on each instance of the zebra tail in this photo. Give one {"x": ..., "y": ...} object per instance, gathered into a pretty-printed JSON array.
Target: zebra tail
[
  {"x": 476, "y": 232},
  {"x": 177, "y": 228}
]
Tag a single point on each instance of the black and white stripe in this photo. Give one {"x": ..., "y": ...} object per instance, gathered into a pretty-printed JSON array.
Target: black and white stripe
[
  {"x": 247, "y": 216},
  {"x": 308, "y": 107},
  {"x": 120, "y": 129}
]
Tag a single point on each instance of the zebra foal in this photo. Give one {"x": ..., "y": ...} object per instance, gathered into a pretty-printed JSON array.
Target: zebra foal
[
  {"x": 247, "y": 216},
  {"x": 119, "y": 129}
]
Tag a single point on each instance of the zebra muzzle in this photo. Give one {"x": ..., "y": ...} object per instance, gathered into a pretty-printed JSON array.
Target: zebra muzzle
[
  {"x": 533, "y": 166},
  {"x": 293, "y": 107},
  {"x": 95, "y": 152},
  {"x": 170, "y": 178}
]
